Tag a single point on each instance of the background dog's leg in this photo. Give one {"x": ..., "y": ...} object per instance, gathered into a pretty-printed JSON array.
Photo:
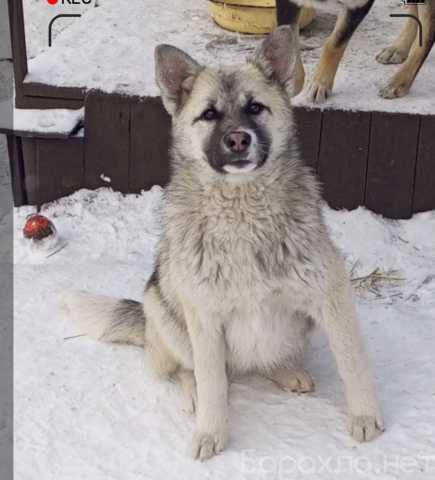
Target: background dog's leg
[
  {"x": 339, "y": 320},
  {"x": 288, "y": 14},
  {"x": 320, "y": 87},
  {"x": 401, "y": 82},
  {"x": 398, "y": 52},
  {"x": 208, "y": 345}
]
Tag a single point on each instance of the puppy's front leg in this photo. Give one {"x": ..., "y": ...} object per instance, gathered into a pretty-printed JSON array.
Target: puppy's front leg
[
  {"x": 208, "y": 345},
  {"x": 340, "y": 322}
]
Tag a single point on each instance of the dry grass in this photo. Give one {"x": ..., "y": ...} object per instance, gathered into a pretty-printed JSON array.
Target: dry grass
[{"x": 375, "y": 281}]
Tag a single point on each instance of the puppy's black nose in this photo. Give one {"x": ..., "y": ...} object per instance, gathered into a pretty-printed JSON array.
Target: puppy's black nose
[{"x": 237, "y": 141}]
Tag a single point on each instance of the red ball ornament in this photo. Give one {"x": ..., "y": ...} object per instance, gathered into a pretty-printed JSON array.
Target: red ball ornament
[
  {"x": 38, "y": 227},
  {"x": 52, "y": 2}
]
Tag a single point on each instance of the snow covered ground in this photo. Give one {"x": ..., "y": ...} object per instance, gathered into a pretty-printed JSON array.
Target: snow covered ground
[
  {"x": 111, "y": 48},
  {"x": 91, "y": 411}
]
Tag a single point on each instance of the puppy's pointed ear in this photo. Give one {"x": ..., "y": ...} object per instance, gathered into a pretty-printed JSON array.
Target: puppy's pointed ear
[
  {"x": 175, "y": 73},
  {"x": 278, "y": 53}
]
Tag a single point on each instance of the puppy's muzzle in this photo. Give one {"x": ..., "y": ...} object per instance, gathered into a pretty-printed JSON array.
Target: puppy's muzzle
[{"x": 238, "y": 145}]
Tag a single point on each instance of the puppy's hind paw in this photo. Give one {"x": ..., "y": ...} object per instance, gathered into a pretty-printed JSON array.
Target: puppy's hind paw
[
  {"x": 365, "y": 428},
  {"x": 391, "y": 55},
  {"x": 295, "y": 380}
]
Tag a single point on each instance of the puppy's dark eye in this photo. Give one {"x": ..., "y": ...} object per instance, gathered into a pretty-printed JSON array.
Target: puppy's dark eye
[
  {"x": 255, "y": 108},
  {"x": 210, "y": 114}
]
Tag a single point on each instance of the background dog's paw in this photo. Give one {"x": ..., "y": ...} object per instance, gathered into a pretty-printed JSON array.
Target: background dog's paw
[
  {"x": 318, "y": 92},
  {"x": 206, "y": 445},
  {"x": 365, "y": 428},
  {"x": 391, "y": 55},
  {"x": 393, "y": 90}
]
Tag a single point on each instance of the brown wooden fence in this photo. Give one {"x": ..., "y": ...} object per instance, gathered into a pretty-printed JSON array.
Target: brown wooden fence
[{"x": 382, "y": 160}]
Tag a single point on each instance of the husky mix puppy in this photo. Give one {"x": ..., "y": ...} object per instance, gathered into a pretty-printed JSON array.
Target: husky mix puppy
[
  {"x": 245, "y": 264},
  {"x": 407, "y": 49}
]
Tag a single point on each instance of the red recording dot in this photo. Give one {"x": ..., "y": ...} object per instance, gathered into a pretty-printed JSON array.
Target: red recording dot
[{"x": 52, "y": 2}]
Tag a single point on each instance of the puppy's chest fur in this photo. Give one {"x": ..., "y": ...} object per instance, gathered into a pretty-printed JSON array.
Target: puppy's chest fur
[
  {"x": 233, "y": 245},
  {"x": 231, "y": 237}
]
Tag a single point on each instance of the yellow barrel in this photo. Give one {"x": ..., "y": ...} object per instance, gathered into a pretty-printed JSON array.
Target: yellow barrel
[{"x": 251, "y": 16}]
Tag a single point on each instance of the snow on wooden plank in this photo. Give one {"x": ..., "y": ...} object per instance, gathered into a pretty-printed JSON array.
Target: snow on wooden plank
[
  {"x": 111, "y": 49},
  {"x": 53, "y": 122}
]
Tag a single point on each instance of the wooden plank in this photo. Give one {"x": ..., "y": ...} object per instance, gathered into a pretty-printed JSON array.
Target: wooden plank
[
  {"x": 42, "y": 96},
  {"x": 16, "y": 163},
  {"x": 149, "y": 144},
  {"x": 30, "y": 176},
  {"x": 424, "y": 189},
  {"x": 107, "y": 125},
  {"x": 44, "y": 103},
  {"x": 60, "y": 168},
  {"x": 44, "y": 90},
  {"x": 343, "y": 157},
  {"x": 27, "y": 134},
  {"x": 309, "y": 126},
  {"x": 391, "y": 165}
]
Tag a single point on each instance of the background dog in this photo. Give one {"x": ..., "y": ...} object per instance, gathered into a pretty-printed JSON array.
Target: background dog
[
  {"x": 406, "y": 49},
  {"x": 245, "y": 263}
]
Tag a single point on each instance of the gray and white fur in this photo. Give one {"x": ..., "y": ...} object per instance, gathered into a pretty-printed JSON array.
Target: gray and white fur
[{"x": 245, "y": 263}]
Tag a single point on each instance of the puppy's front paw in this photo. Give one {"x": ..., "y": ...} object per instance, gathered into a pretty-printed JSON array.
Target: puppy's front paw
[
  {"x": 206, "y": 445},
  {"x": 391, "y": 55},
  {"x": 318, "y": 91},
  {"x": 365, "y": 428}
]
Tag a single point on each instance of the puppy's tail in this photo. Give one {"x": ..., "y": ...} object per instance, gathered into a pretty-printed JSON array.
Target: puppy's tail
[{"x": 104, "y": 318}]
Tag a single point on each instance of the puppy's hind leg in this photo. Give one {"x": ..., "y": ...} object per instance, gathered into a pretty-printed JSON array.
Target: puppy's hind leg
[{"x": 398, "y": 52}]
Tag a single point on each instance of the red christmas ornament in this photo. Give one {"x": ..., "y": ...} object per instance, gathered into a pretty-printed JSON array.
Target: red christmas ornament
[{"x": 38, "y": 227}]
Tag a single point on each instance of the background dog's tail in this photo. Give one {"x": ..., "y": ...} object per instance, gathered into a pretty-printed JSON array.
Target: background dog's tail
[{"x": 104, "y": 318}]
